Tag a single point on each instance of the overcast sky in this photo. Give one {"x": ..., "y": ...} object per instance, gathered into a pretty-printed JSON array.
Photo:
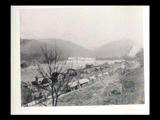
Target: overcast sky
[{"x": 86, "y": 26}]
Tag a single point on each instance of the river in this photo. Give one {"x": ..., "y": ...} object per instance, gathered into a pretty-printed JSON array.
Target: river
[
  {"x": 30, "y": 72},
  {"x": 81, "y": 64}
]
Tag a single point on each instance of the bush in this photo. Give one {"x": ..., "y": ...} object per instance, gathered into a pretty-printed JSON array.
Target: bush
[
  {"x": 26, "y": 95},
  {"x": 25, "y": 64}
]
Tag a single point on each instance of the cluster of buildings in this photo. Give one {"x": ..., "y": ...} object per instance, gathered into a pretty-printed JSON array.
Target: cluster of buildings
[{"x": 91, "y": 73}]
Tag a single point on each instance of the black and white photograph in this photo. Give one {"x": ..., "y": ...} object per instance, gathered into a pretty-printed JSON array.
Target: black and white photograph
[{"x": 81, "y": 56}]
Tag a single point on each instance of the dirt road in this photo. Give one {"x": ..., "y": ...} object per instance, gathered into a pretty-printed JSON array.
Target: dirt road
[{"x": 85, "y": 95}]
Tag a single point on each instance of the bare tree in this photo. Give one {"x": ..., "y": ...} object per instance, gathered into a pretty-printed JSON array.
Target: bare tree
[{"x": 56, "y": 74}]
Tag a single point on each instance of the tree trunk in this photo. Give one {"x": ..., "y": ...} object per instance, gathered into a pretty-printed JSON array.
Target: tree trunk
[
  {"x": 52, "y": 96},
  {"x": 56, "y": 100}
]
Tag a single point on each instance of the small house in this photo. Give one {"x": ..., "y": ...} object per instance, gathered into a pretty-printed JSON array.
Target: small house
[
  {"x": 89, "y": 65},
  {"x": 31, "y": 103},
  {"x": 73, "y": 85},
  {"x": 83, "y": 81},
  {"x": 92, "y": 77},
  {"x": 60, "y": 77},
  {"x": 72, "y": 72},
  {"x": 38, "y": 79},
  {"x": 100, "y": 76},
  {"x": 106, "y": 73}
]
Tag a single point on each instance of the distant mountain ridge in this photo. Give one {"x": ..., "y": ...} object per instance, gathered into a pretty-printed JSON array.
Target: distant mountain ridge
[
  {"x": 30, "y": 48},
  {"x": 114, "y": 49}
]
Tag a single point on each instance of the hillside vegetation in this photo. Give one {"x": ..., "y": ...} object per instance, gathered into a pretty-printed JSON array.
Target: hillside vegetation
[
  {"x": 30, "y": 49},
  {"x": 133, "y": 88}
]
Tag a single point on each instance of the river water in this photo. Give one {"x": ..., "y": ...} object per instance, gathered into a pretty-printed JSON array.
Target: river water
[
  {"x": 30, "y": 72},
  {"x": 81, "y": 64}
]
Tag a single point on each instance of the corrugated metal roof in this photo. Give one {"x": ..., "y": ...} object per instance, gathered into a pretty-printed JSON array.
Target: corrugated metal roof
[
  {"x": 106, "y": 73},
  {"x": 73, "y": 84},
  {"x": 85, "y": 80},
  {"x": 92, "y": 77}
]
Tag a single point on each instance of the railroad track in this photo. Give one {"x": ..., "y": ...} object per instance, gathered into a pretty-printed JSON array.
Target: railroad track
[
  {"x": 102, "y": 90},
  {"x": 96, "y": 94}
]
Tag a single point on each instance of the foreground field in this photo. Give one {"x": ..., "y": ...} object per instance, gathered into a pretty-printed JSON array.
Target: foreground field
[
  {"x": 133, "y": 88},
  {"x": 100, "y": 92},
  {"x": 87, "y": 94}
]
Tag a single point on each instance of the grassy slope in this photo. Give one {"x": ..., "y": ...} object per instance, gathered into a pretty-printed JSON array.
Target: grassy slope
[
  {"x": 83, "y": 96},
  {"x": 133, "y": 92},
  {"x": 133, "y": 88}
]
